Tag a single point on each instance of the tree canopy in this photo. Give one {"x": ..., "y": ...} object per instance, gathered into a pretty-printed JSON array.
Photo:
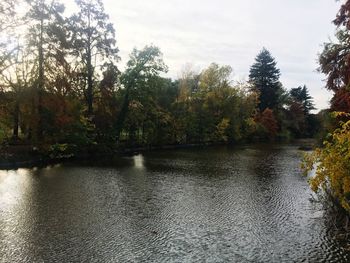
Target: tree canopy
[
  {"x": 264, "y": 77},
  {"x": 335, "y": 61},
  {"x": 62, "y": 89}
]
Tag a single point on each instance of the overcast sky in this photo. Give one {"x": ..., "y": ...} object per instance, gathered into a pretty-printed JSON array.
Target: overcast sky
[{"x": 230, "y": 32}]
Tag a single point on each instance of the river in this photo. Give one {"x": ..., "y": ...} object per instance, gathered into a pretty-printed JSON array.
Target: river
[{"x": 216, "y": 204}]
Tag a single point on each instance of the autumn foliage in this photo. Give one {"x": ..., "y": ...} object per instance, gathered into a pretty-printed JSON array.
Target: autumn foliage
[
  {"x": 332, "y": 164},
  {"x": 61, "y": 88},
  {"x": 332, "y": 161},
  {"x": 268, "y": 121},
  {"x": 335, "y": 61}
]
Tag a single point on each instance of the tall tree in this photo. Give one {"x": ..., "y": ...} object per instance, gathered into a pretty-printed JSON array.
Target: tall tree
[
  {"x": 106, "y": 104},
  {"x": 93, "y": 39},
  {"x": 42, "y": 15},
  {"x": 335, "y": 61},
  {"x": 142, "y": 67},
  {"x": 214, "y": 92},
  {"x": 332, "y": 161},
  {"x": 264, "y": 77}
]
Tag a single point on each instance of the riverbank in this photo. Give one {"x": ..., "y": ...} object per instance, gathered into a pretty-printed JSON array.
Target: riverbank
[{"x": 26, "y": 156}]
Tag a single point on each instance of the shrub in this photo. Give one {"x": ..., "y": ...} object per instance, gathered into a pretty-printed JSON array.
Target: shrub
[{"x": 332, "y": 163}]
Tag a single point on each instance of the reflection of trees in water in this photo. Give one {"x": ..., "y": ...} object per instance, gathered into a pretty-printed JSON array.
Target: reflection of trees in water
[
  {"x": 21, "y": 226},
  {"x": 188, "y": 204},
  {"x": 336, "y": 221}
]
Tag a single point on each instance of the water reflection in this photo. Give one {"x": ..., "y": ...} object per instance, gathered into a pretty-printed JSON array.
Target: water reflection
[
  {"x": 16, "y": 213},
  {"x": 213, "y": 205},
  {"x": 138, "y": 161}
]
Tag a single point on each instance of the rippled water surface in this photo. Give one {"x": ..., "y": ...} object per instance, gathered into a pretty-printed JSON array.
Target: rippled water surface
[{"x": 247, "y": 204}]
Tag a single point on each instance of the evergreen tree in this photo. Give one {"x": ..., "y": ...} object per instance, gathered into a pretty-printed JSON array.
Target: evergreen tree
[
  {"x": 264, "y": 76},
  {"x": 301, "y": 96}
]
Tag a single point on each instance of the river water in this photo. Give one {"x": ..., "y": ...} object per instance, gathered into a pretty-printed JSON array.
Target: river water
[{"x": 216, "y": 204}]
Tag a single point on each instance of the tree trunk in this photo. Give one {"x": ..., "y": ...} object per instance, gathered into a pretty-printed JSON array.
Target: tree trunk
[
  {"x": 89, "y": 95},
  {"x": 122, "y": 115},
  {"x": 39, "y": 128},
  {"x": 16, "y": 120}
]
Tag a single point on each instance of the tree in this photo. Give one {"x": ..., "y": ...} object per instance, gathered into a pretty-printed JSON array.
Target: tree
[
  {"x": 269, "y": 123},
  {"x": 299, "y": 115},
  {"x": 214, "y": 91},
  {"x": 142, "y": 66},
  {"x": 332, "y": 162},
  {"x": 297, "y": 120},
  {"x": 188, "y": 83},
  {"x": 301, "y": 96},
  {"x": 106, "y": 104},
  {"x": 18, "y": 80},
  {"x": 217, "y": 110},
  {"x": 7, "y": 11},
  {"x": 215, "y": 77},
  {"x": 42, "y": 16},
  {"x": 335, "y": 61},
  {"x": 8, "y": 21},
  {"x": 93, "y": 39},
  {"x": 343, "y": 17},
  {"x": 188, "y": 87},
  {"x": 264, "y": 77}
]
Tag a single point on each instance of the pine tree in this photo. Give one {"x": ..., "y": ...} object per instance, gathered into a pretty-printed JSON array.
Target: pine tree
[
  {"x": 301, "y": 96},
  {"x": 264, "y": 76}
]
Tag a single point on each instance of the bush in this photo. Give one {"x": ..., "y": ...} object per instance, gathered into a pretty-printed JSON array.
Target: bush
[
  {"x": 62, "y": 150},
  {"x": 332, "y": 164}
]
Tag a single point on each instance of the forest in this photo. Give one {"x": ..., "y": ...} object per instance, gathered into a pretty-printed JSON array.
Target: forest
[{"x": 62, "y": 91}]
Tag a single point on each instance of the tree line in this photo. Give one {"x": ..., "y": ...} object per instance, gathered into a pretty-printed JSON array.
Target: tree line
[{"x": 60, "y": 85}]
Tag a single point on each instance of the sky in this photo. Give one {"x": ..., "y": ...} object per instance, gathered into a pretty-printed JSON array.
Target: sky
[{"x": 230, "y": 32}]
